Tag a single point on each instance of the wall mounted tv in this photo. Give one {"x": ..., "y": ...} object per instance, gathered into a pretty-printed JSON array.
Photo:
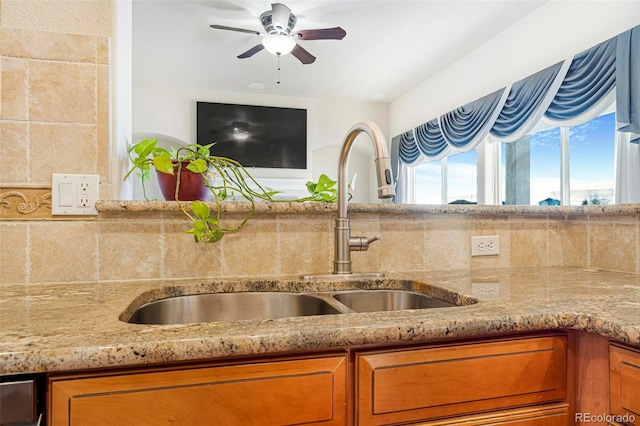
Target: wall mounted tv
[{"x": 255, "y": 136}]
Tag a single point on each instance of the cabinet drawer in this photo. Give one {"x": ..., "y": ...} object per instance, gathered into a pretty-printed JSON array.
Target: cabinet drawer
[
  {"x": 309, "y": 391},
  {"x": 624, "y": 377},
  {"x": 428, "y": 383},
  {"x": 543, "y": 415}
]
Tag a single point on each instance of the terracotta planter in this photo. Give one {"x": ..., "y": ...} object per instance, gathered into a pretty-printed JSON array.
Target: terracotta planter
[{"x": 191, "y": 184}]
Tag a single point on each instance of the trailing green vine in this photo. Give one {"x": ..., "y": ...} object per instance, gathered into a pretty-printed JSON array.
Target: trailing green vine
[{"x": 223, "y": 177}]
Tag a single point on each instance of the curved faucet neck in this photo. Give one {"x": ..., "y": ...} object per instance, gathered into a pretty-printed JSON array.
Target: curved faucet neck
[{"x": 380, "y": 148}]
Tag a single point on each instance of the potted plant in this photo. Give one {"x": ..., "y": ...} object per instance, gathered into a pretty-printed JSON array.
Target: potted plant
[{"x": 216, "y": 179}]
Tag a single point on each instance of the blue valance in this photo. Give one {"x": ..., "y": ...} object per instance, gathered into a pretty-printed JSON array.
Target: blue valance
[
  {"x": 527, "y": 101},
  {"x": 408, "y": 150},
  {"x": 562, "y": 92},
  {"x": 430, "y": 141},
  {"x": 628, "y": 83},
  {"x": 591, "y": 76},
  {"x": 465, "y": 127}
]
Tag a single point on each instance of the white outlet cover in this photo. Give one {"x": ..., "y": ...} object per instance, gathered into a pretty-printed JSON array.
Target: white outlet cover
[
  {"x": 66, "y": 197},
  {"x": 485, "y": 290},
  {"x": 485, "y": 245}
]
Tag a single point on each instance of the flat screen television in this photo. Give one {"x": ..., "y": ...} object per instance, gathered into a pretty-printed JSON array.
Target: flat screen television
[{"x": 255, "y": 136}]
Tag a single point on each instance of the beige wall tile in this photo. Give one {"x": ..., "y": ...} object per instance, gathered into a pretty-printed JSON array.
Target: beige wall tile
[
  {"x": 573, "y": 239},
  {"x": 362, "y": 261},
  {"x": 13, "y": 253},
  {"x": 14, "y": 151},
  {"x": 130, "y": 250},
  {"x": 62, "y": 148},
  {"x": 554, "y": 243},
  {"x": 104, "y": 46},
  {"x": 76, "y": 17},
  {"x": 63, "y": 251},
  {"x": 253, "y": 250},
  {"x": 183, "y": 257},
  {"x": 14, "y": 80},
  {"x": 447, "y": 244},
  {"x": 103, "y": 128},
  {"x": 403, "y": 247},
  {"x": 32, "y": 44},
  {"x": 62, "y": 91},
  {"x": 613, "y": 246},
  {"x": 25, "y": 203},
  {"x": 528, "y": 243},
  {"x": 305, "y": 246}
]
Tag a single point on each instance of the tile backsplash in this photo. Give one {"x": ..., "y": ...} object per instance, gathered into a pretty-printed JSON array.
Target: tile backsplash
[
  {"x": 153, "y": 245},
  {"x": 54, "y": 117}
]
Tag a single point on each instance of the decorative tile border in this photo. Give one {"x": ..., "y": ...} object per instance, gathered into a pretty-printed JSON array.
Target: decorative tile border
[{"x": 25, "y": 203}]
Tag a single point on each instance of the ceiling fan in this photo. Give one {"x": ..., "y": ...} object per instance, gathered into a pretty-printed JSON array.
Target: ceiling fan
[{"x": 278, "y": 37}]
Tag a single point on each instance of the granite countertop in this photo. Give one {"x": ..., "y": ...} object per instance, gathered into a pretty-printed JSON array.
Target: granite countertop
[
  {"x": 61, "y": 327},
  {"x": 287, "y": 207}
]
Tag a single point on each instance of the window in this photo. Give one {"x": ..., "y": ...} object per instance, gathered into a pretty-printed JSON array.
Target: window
[
  {"x": 428, "y": 183},
  {"x": 591, "y": 161},
  {"x": 462, "y": 178},
  {"x": 534, "y": 170},
  {"x": 530, "y": 169},
  {"x": 570, "y": 166},
  {"x": 459, "y": 185}
]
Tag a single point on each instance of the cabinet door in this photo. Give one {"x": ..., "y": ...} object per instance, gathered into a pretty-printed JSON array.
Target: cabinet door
[
  {"x": 543, "y": 415},
  {"x": 308, "y": 391},
  {"x": 445, "y": 381},
  {"x": 624, "y": 377}
]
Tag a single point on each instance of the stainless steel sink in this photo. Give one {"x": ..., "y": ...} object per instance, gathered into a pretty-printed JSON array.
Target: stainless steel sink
[
  {"x": 388, "y": 300},
  {"x": 230, "y": 307},
  {"x": 255, "y": 305}
]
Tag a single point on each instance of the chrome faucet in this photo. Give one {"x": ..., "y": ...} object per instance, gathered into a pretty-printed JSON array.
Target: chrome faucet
[{"x": 344, "y": 243}]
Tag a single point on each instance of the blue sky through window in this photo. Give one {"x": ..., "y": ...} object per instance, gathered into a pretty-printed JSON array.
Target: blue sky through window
[{"x": 591, "y": 160}]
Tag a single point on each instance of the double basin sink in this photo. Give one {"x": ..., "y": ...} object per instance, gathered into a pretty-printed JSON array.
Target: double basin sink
[{"x": 256, "y": 305}]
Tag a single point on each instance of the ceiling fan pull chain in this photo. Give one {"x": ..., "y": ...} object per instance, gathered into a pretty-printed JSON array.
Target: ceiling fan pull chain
[{"x": 278, "y": 69}]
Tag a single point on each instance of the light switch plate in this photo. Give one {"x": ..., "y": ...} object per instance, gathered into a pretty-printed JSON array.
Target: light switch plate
[{"x": 74, "y": 195}]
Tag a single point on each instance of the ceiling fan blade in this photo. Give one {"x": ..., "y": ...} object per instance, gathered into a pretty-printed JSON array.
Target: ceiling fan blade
[
  {"x": 240, "y": 30},
  {"x": 336, "y": 33},
  {"x": 249, "y": 53},
  {"x": 302, "y": 55}
]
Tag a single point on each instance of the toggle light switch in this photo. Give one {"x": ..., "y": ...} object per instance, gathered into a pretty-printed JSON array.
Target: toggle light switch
[{"x": 73, "y": 194}]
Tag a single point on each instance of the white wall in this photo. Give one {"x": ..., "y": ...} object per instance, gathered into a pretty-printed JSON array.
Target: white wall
[
  {"x": 170, "y": 111},
  {"x": 555, "y": 31}
]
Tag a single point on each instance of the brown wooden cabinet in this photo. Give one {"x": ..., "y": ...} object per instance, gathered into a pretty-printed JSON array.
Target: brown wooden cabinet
[
  {"x": 543, "y": 415},
  {"x": 435, "y": 382},
  {"x": 624, "y": 381},
  {"x": 304, "y": 391},
  {"x": 503, "y": 381}
]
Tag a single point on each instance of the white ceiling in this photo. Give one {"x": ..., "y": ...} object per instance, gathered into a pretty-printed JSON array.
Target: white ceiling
[{"x": 391, "y": 45}]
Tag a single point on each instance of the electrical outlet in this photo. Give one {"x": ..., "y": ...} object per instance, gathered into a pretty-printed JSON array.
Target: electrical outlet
[
  {"x": 485, "y": 290},
  {"x": 485, "y": 245},
  {"x": 74, "y": 194}
]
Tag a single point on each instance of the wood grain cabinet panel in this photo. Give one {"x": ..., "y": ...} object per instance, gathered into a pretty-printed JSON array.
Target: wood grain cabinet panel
[
  {"x": 407, "y": 385},
  {"x": 301, "y": 392},
  {"x": 543, "y": 415},
  {"x": 624, "y": 377}
]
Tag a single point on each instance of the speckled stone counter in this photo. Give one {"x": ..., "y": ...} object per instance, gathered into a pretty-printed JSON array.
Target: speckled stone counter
[
  {"x": 285, "y": 207},
  {"x": 55, "y": 327}
]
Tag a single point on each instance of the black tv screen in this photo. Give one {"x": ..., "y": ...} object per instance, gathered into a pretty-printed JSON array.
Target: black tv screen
[{"x": 255, "y": 136}]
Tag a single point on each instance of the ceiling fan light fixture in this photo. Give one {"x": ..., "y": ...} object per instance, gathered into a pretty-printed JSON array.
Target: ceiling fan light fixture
[
  {"x": 278, "y": 44},
  {"x": 240, "y": 130}
]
